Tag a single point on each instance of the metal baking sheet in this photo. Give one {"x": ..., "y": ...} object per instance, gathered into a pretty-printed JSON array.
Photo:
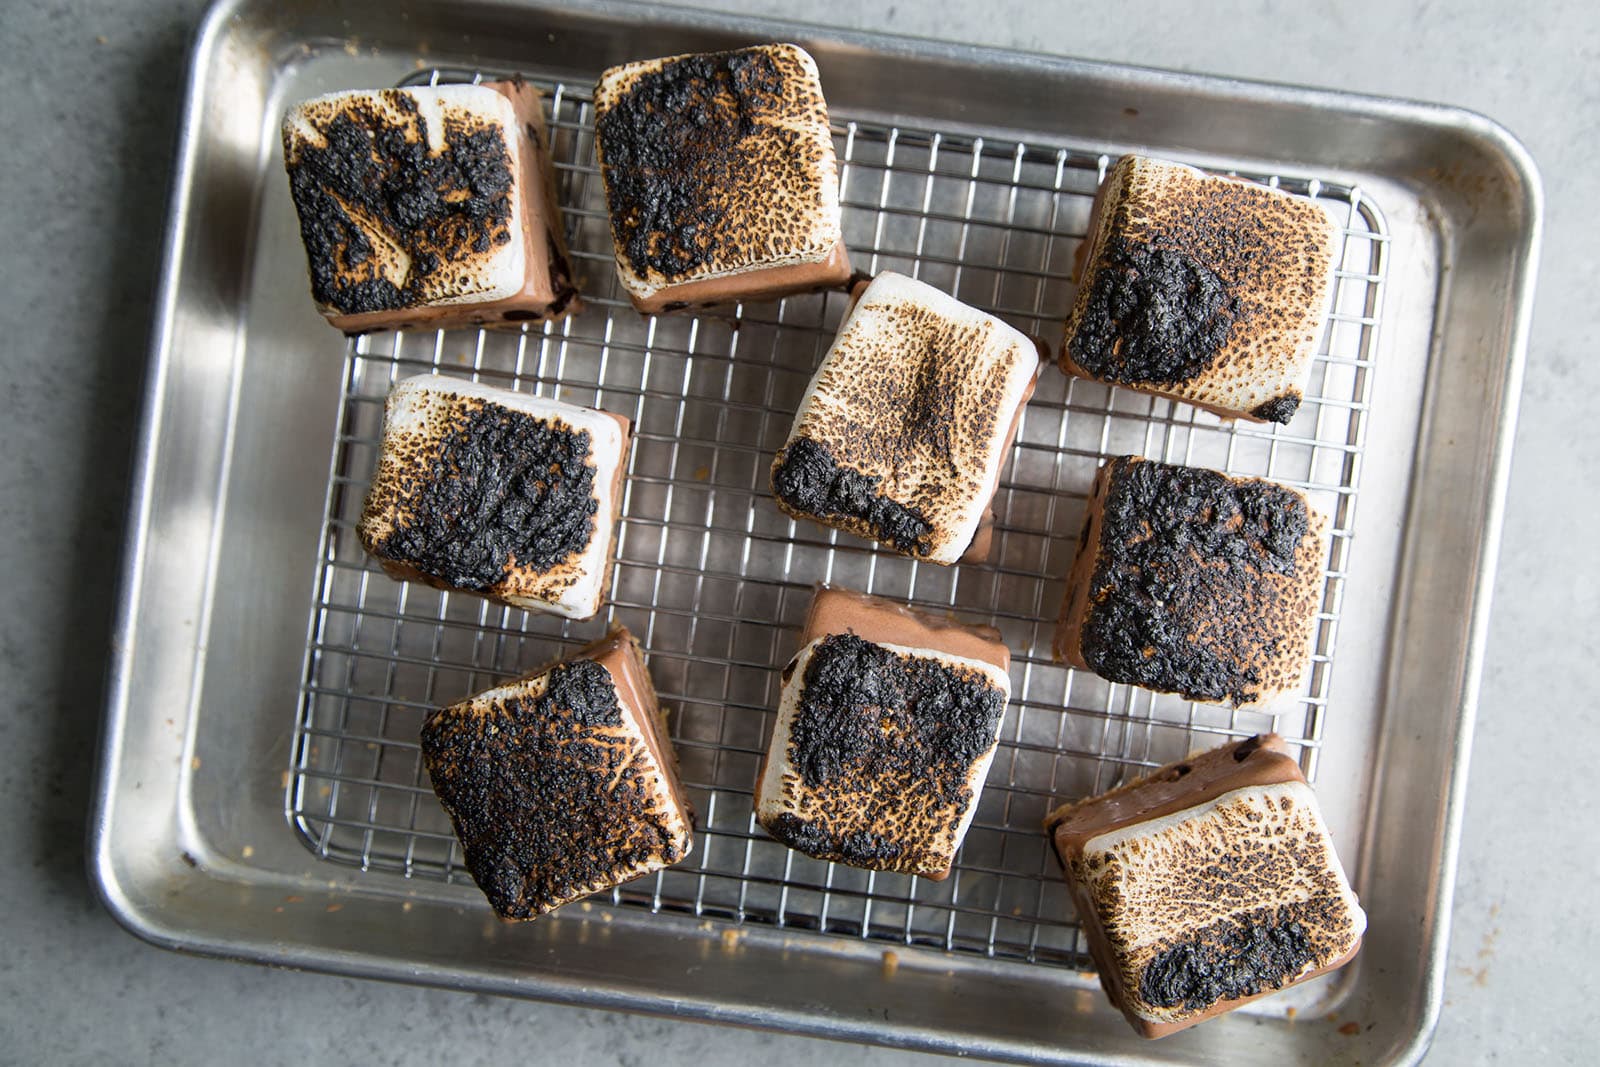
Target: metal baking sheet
[{"x": 261, "y": 791}]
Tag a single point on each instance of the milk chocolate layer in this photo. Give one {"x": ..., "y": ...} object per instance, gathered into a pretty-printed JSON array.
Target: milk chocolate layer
[
  {"x": 560, "y": 785},
  {"x": 1206, "y": 884},
  {"x": 836, "y": 610}
]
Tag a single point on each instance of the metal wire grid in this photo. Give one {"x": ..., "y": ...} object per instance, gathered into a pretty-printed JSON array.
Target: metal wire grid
[{"x": 715, "y": 581}]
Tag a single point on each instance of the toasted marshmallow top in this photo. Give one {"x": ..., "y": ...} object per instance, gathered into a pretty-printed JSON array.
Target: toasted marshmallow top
[
  {"x": 716, "y": 164},
  {"x": 554, "y": 788},
  {"x": 408, "y": 198},
  {"x": 902, "y": 796},
  {"x": 427, "y": 414},
  {"x": 1249, "y": 877},
  {"x": 916, "y": 395},
  {"x": 1205, "y": 288}
]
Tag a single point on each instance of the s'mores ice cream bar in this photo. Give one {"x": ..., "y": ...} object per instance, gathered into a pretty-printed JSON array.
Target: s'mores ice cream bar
[
  {"x": 719, "y": 177},
  {"x": 886, "y": 727},
  {"x": 1189, "y": 581},
  {"x": 1201, "y": 288},
  {"x": 497, "y": 492},
  {"x": 561, "y": 784},
  {"x": 902, "y": 432},
  {"x": 433, "y": 206},
  {"x": 1207, "y": 884}
]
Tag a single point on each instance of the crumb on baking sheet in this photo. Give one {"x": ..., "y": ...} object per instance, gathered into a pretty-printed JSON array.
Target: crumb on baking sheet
[
  {"x": 731, "y": 938},
  {"x": 891, "y": 962}
]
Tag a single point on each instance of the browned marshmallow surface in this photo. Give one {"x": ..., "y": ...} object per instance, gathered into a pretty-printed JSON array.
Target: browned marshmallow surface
[
  {"x": 496, "y": 492},
  {"x": 1189, "y": 581},
  {"x": 561, "y": 784},
  {"x": 1206, "y": 289},
  {"x": 1207, "y": 884},
  {"x": 720, "y": 177},
  {"x": 902, "y": 433},
  {"x": 885, "y": 731},
  {"x": 433, "y": 206}
]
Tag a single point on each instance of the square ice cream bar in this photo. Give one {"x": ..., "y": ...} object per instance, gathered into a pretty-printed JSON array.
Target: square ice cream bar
[
  {"x": 719, "y": 177},
  {"x": 1207, "y": 884},
  {"x": 433, "y": 206},
  {"x": 561, "y": 784},
  {"x": 1206, "y": 289},
  {"x": 902, "y": 433},
  {"x": 886, "y": 727},
  {"x": 1189, "y": 581},
  {"x": 496, "y": 492}
]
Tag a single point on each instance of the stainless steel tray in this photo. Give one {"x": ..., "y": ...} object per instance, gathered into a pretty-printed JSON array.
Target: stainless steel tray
[{"x": 261, "y": 795}]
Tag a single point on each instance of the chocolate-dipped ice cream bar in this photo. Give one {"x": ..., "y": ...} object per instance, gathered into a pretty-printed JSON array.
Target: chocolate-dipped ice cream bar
[
  {"x": 1207, "y": 884},
  {"x": 886, "y": 728},
  {"x": 433, "y": 206},
  {"x": 1189, "y": 581},
  {"x": 497, "y": 492},
  {"x": 561, "y": 784},
  {"x": 719, "y": 177},
  {"x": 1201, "y": 288},
  {"x": 902, "y": 433}
]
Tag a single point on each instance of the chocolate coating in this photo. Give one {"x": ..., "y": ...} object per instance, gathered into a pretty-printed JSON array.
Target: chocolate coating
[
  {"x": 808, "y": 479},
  {"x": 549, "y": 797},
  {"x": 374, "y": 172},
  {"x": 1153, "y": 315},
  {"x": 504, "y": 489},
  {"x": 1200, "y": 586}
]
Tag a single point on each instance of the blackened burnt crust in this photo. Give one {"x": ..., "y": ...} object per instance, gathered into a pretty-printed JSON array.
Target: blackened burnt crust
[
  {"x": 885, "y": 745},
  {"x": 1231, "y": 959},
  {"x": 504, "y": 489},
  {"x": 1201, "y": 584},
  {"x": 550, "y": 798},
  {"x": 717, "y": 162},
  {"x": 1153, "y": 316},
  {"x": 810, "y": 481},
  {"x": 377, "y": 175}
]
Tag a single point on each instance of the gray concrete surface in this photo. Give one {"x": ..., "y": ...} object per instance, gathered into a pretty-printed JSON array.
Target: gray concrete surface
[{"x": 88, "y": 96}]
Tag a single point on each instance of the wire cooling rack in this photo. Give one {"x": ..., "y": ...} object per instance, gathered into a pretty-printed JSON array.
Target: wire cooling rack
[{"x": 715, "y": 580}]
